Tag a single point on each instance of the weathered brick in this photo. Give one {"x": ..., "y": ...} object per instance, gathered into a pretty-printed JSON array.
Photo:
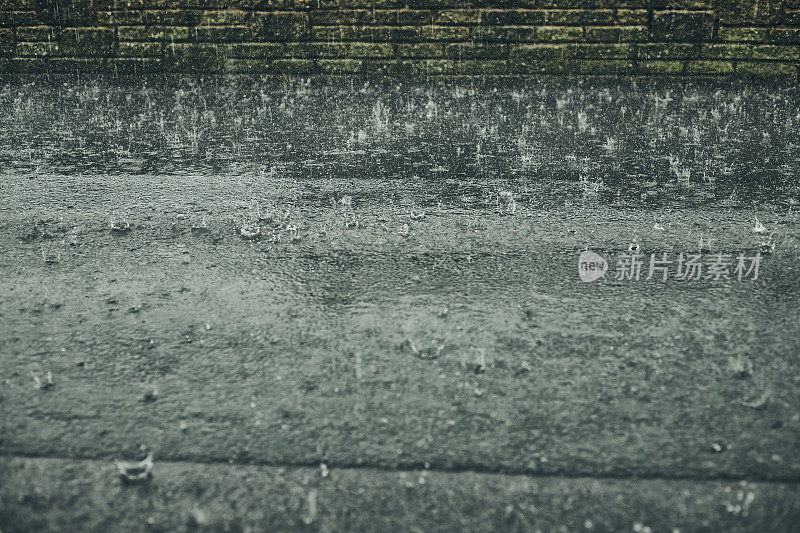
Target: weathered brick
[
  {"x": 536, "y": 53},
  {"x": 36, "y": 49},
  {"x": 457, "y": 17},
  {"x": 749, "y": 51},
  {"x": 139, "y": 49},
  {"x": 291, "y": 66},
  {"x": 339, "y": 50},
  {"x": 6, "y": 42},
  {"x": 432, "y": 50},
  {"x": 559, "y": 33},
  {"x": 614, "y": 34},
  {"x": 78, "y": 42},
  {"x": 749, "y": 12},
  {"x": 683, "y": 25},
  {"x": 417, "y": 37},
  {"x": 709, "y": 67},
  {"x": 255, "y": 50},
  {"x": 113, "y": 18},
  {"x": 339, "y": 66},
  {"x": 391, "y": 67},
  {"x": 66, "y": 13},
  {"x": 600, "y": 66},
  {"x": 280, "y": 26},
  {"x": 60, "y": 65},
  {"x": 504, "y": 33},
  {"x": 792, "y": 18},
  {"x": 481, "y": 67},
  {"x": 785, "y": 35},
  {"x": 660, "y": 67},
  {"x": 602, "y": 51},
  {"x": 556, "y": 66},
  {"x": 18, "y": 18},
  {"x": 511, "y": 17},
  {"x": 19, "y": 5},
  {"x": 194, "y": 57},
  {"x": 767, "y": 70},
  {"x": 365, "y": 33},
  {"x": 592, "y": 4},
  {"x": 476, "y": 50},
  {"x": 174, "y": 17},
  {"x": 684, "y": 4},
  {"x": 219, "y": 34},
  {"x": 153, "y": 33},
  {"x": 572, "y": 51},
  {"x": 133, "y": 65},
  {"x": 221, "y": 17},
  {"x": 575, "y": 17},
  {"x": 247, "y": 66},
  {"x": 618, "y": 17},
  {"x": 743, "y": 34},
  {"x": 666, "y": 51},
  {"x": 37, "y": 33},
  {"x": 444, "y": 33}
]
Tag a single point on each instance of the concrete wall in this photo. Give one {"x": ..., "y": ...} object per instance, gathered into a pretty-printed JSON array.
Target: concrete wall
[{"x": 404, "y": 37}]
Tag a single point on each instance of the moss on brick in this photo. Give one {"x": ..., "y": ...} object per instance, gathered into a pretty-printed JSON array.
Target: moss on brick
[
  {"x": 177, "y": 17},
  {"x": 339, "y": 66},
  {"x": 339, "y": 50},
  {"x": 138, "y": 49},
  {"x": 749, "y": 51},
  {"x": 476, "y": 50},
  {"x": 444, "y": 33},
  {"x": 36, "y": 49},
  {"x": 406, "y": 50},
  {"x": 660, "y": 67},
  {"x": 514, "y": 34},
  {"x": 600, "y": 66},
  {"x": 743, "y": 34},
  {"x": 153, "y": 33},
  {"x": 220, "y": 34},
  {"x": 511, "y": 17},
  {"x": 255, "y": 50},
  {"x": 113, "y": 18},
  {"x": 666, "y": 50},
  {"x": 602, "y": 51},
  {"x": 535, "y": 53},
  {"x": 767, "y": 70},
  {"x": 709, "y": 67},
  {"x": 247, "y": 66},
  {"x": 457, "y": 17},
  {"x": 37, "y": 33},
  {"x": 485, "y": 67},
  {"x": 616, "y": 34},
  {"x": 225, "y": 17},
  {"x": 291, "y": 66},
  {"x": 559, "y": 33}
]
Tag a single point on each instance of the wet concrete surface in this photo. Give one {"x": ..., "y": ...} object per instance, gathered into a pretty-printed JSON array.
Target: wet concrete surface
[{"x": 386, "y": 277}]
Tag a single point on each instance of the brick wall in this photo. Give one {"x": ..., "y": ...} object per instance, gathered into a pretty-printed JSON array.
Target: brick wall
[{"x": 404, "y": 37}]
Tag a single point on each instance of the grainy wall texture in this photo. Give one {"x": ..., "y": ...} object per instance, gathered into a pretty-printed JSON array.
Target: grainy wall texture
[{"x": 758, "y": 38}]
